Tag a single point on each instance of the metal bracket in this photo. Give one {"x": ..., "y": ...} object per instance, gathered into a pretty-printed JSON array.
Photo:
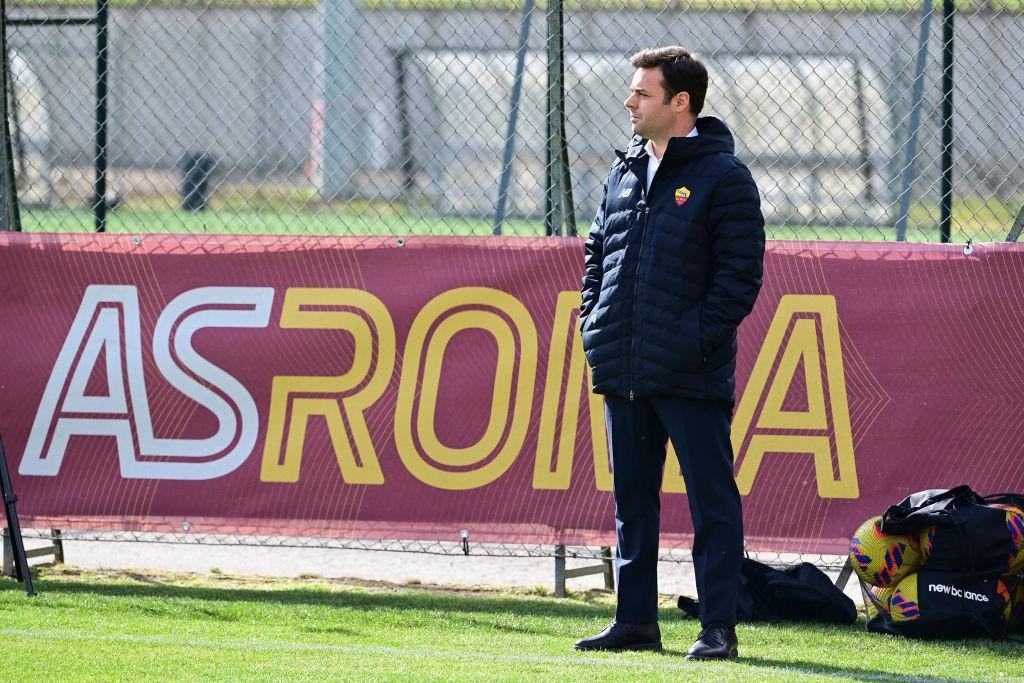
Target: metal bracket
[
  {"x": 561, "y": 573},
  {"x": 56, "y": 550},
  {"x": 844, "y": 575}
]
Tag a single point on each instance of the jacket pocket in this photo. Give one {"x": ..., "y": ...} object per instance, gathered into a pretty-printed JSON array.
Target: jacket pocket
[{"x": 689, "y": 340}]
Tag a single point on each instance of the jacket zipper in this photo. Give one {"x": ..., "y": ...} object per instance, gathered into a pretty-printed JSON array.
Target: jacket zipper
[
  {"x": 636, "y": 292},
  {"x": 640, "y": 261}
]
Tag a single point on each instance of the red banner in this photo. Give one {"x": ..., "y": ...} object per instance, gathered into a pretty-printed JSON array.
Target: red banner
[{"x": 411, "y": 388}]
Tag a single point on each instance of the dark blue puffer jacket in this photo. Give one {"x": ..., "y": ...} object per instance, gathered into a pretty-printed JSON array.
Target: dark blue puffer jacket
[{"x": 670, "y": 273}]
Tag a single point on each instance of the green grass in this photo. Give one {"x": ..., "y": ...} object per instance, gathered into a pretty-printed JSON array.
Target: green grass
[
  {"x": 371, "y": 221},
  {"x": 87, "y": 625},
  {"x": 975, "y": 219}
]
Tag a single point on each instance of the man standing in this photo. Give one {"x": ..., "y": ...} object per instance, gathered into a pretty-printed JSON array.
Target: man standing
[{"x": 673, "y": 264}]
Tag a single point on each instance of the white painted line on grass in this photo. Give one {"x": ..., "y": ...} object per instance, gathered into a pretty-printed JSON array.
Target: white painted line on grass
[{"x": 610, "y": 660}]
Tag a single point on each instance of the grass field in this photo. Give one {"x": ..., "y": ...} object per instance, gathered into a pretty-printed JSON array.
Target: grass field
[
  {"x": 369, "y": 221},
  {"x": 92, "y": 625},
  {"x": 981, "y": 222}
]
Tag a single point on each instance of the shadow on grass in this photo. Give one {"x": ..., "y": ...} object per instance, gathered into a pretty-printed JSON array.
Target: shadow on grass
[
  {"x": 795, "y": 666},
  {"x": 858, "y": 674},
  {"x": 315, "y": 596}
]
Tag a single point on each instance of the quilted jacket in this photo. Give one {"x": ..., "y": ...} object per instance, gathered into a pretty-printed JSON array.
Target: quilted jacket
[{"x": 671, "y": 271}]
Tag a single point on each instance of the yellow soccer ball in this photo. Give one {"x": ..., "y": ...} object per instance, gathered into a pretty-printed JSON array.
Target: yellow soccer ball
[
  {"x": 925, "y": 542},
  {"x": 1004, "y": 592},
  {"x": 883, "y": 559},
  {"x": 904, "y": 606},
  {"x": 1015, "y": 524},
  {"x": 880, "y": 597},
  {"x": 1017, "y": 608}
]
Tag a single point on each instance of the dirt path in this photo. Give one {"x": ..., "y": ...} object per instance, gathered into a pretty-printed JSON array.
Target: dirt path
[
  {"x": 396, "y": 567},
  {"x": 373, "y": 565}
]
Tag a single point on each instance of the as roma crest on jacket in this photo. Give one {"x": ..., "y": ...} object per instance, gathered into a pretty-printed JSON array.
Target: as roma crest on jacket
[{"x": 682, "y": 194}]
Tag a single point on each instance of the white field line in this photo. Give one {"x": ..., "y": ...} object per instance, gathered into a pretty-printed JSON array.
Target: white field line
[{"x": 668, "y": 664}]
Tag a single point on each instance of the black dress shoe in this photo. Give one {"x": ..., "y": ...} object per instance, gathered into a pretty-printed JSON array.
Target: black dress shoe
[
  {"x": 715, "y": 642},
  {"x": 620, "y": 636}
]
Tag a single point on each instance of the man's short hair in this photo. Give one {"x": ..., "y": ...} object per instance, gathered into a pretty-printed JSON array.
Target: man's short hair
[{"x": 681, "y": 71}]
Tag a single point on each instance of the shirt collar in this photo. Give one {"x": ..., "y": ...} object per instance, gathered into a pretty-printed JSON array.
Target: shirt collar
[{"x": 649, "y": 147}]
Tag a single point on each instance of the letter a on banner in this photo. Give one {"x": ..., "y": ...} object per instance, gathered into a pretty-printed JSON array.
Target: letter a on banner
[
  {"x": 804, "y": 333},
  {"x": 553, "y": 465},
  {"x": 107, "y": 320}
]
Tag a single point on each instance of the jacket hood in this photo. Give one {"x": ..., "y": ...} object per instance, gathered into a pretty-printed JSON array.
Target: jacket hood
[{"x": 713, "y": 137}]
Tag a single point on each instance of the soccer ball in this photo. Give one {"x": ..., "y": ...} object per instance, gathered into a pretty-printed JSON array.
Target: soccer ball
[
  {"x": 1004, "y": 593},
  {"x": 925, "y": 543},
  {"x": 880, "y": 598},
  {"x": 882, "y": 559},
  {"x": 1015, "y": 523},
  {"x": 1017, "y": 608},
  {"x": 903, "y": 606}
]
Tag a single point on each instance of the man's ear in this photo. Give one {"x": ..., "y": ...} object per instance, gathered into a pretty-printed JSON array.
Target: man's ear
[{"x": 681, "y": 102}]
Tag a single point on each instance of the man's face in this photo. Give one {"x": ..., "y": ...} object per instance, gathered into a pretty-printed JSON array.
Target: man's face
[{"x": 649, "y": 115}]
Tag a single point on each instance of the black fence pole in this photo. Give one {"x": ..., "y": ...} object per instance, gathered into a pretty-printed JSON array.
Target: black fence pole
[
  {"x": 10, "y": 215},
  {"x": 552, "y": 214},
  {"x": 21, "y": 570},
  {"x": 559, "y": 214},
  {"x": 99, "y": 200},
  {"x": 945, "y": 225}
]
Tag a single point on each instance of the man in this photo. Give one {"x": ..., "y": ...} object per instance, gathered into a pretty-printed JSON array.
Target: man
[{"x": 673, "y": 264}]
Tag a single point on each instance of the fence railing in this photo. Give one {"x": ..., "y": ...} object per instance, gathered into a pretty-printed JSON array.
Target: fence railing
[{"x": 429, "y": 117}]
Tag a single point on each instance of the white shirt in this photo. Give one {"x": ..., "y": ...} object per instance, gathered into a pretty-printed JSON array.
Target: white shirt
[{"x": 654, "y": 162}]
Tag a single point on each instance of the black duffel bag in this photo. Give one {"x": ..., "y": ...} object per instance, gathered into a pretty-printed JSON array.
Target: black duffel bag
[
  {"x": 798, "y": 593},
  {"x": 964, "y": 586}
]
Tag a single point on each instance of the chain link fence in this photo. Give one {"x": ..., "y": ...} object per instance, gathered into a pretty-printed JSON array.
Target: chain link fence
[
  {"x": 463, "y": 547},
  {"x": 435, "y": 117},
  {"x": 432, "y": 116}
]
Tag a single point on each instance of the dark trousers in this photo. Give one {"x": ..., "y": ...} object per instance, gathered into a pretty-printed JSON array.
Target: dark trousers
[{"x": 638, "y": 432}]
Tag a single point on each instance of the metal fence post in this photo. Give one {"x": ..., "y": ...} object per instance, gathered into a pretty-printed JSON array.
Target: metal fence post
[
  {"x": 343, "y": 142},
  {"x": 8, "y": 553},
  {"x": 9, "y": 213},
  {"x": 406, "y": 155},
  {"x": 513, "y": 117},
  {"x": 559, "y": 571},
  {"x": 99, "y": 200},
  {"x": 559, "y": 215},
  {"x": 946, "y": 189},
  {"x": 915, "y": 121},
  {"x": 19, "y": 559}
]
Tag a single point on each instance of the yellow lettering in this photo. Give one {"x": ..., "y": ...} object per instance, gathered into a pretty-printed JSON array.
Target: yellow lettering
[
  {"x": 552, "y": 469},
  {"x": 506, "y": 319},
  {"x": 356, "y": 390},
  {"x": 672, "y": 481},
  {"x": 809, "y": 319}
]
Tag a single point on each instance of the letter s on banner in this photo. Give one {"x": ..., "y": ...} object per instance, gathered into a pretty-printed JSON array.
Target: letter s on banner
[{"x": 249, "y": 307}]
